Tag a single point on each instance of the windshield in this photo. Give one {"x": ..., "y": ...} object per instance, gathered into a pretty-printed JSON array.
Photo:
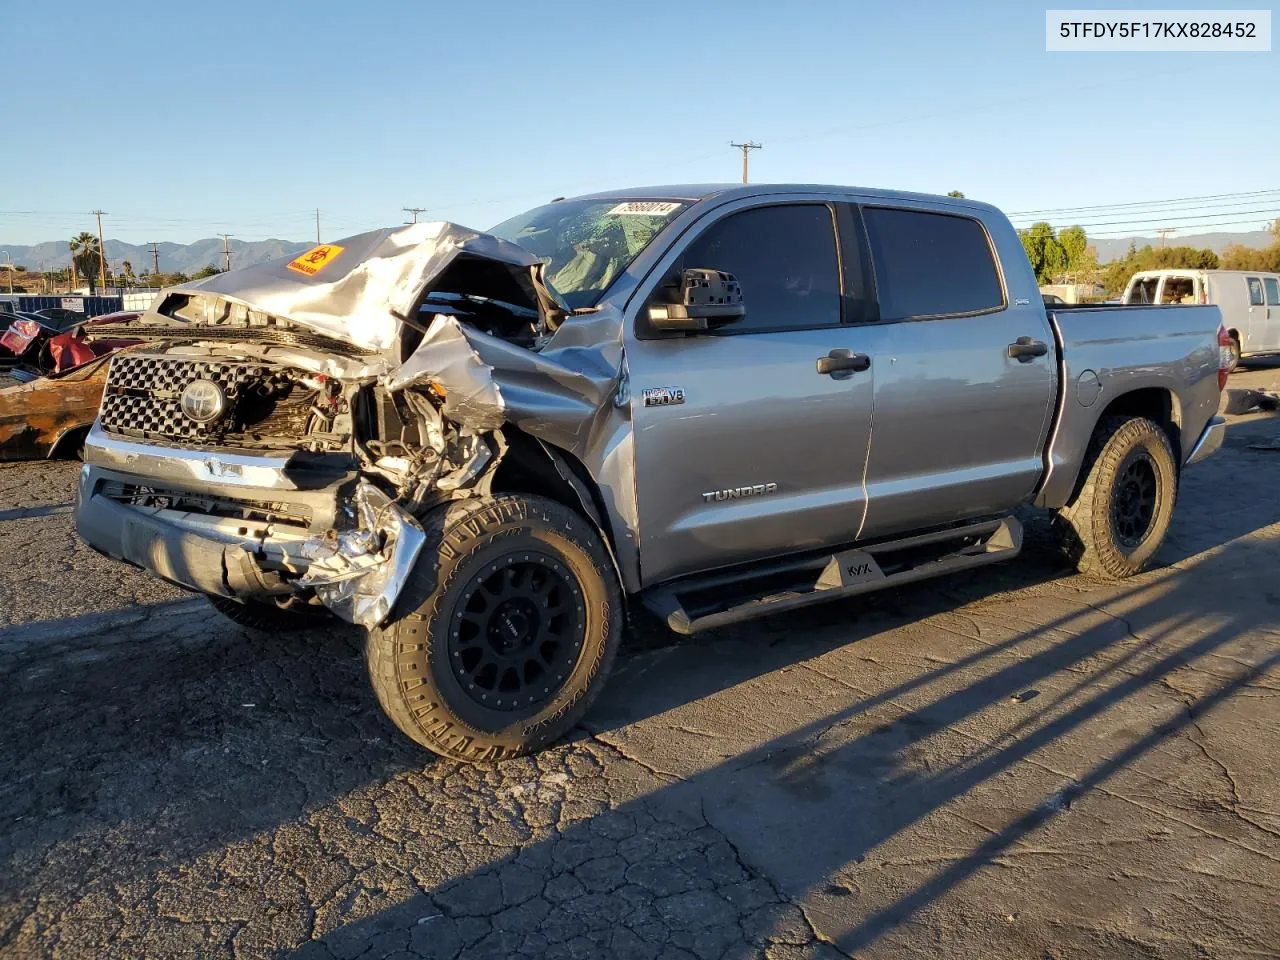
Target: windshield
[{"x": 587, "y": 243}]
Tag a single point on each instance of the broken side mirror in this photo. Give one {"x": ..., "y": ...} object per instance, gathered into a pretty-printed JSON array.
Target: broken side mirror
[{"x": 706, "y": 298}]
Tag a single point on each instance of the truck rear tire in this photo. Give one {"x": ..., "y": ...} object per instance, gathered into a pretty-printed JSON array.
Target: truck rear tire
[
  {"x": 1235, "y": 354},
  {"x": 1121, "y": 515},
  {"x": 504, "y": 633}
]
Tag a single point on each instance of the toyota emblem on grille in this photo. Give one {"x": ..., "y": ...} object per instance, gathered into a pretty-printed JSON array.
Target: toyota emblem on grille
[{"x": 203, "y": 401}]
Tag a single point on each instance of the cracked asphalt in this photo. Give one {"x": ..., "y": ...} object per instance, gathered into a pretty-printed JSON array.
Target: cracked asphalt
[{"x": 1016, "y": 762}]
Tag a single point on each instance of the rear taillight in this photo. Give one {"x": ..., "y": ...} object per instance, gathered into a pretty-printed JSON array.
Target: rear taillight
[{"x": 1225, "y": 356}]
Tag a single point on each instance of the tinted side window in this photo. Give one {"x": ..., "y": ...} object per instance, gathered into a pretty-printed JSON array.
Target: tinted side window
[
  {"x": 785, "y": 259},
  {"x": 1273, "y": 291},
  {"x": 928, "y": 264},
  {"x": 1255, "y": 292}
]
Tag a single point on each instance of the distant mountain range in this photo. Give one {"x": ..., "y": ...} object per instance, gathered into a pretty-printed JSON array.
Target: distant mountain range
[
  {"x": 190, "y": 257},
  {"x": 1112, "y": 248},
  {"x": 174, "y": 257}
]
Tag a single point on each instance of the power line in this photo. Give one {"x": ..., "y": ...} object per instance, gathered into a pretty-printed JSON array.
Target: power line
[
  {"x": 746, "y": 148},
  {"x": 1264, "y": 211},
  {"x": 226, "y": 250},
  {"x": 1144, "y": 203},
  {"x": 155, "y": 258},
  {"x": 414, "y": 211}
]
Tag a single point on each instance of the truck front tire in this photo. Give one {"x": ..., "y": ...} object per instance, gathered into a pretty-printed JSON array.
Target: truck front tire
[
  {"x": 1121, "y": 515},
  {"x": 505, "y": 632}
]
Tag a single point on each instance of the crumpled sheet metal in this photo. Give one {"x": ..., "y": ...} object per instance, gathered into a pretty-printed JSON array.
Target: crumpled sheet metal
[
  {"x": 358, "y": 295},
  {"x": 555, "y": 394},
  {"x": 358, "y": 574}
]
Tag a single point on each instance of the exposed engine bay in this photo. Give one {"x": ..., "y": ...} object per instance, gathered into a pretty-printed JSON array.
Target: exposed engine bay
[{"x": 384, "y": 367}]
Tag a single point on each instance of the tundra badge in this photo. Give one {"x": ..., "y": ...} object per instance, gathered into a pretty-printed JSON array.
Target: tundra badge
[
  {"x": 737, "y": 493},
  {"x": 663, "y": 396}
]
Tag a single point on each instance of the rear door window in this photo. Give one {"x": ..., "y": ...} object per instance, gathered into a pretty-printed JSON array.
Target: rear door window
[
  {"x": 1273, "y": 291},
  {"x": 931, "y": 264},
  {"x": 784, "y": 257},
  {"x": 1255, "y": 292},
  {"x": 1143, "y": 290},
  {"x": 1178, "y": 290}
]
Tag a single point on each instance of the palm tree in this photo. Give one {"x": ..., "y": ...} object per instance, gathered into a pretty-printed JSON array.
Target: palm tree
[
  {"x": 127, "y": 267},
  {"x": 85, "y": 256}
]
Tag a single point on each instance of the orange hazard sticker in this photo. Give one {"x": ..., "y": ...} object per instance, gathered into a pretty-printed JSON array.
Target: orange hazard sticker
[{"x": 315, "y": 259}]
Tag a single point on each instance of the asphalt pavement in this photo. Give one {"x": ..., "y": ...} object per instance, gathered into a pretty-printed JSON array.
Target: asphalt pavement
[{"x": 1012, "y": 762}]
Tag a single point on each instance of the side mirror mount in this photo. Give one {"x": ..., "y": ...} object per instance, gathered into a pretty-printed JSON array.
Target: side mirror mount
[{"x": 707, "y": 298}]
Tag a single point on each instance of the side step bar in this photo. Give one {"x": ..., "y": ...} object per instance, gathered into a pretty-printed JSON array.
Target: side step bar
[{"x": 834, "y": 576}]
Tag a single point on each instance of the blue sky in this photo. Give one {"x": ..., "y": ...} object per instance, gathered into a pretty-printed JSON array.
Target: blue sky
[{"x": 184, "y": 120}]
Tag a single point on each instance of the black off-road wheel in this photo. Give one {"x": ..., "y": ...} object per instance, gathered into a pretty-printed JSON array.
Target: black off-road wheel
[
  {"x": 1121, "y": 515},
  {"x": 270, "y": 617},
  {"x": 505, "y": 632}
]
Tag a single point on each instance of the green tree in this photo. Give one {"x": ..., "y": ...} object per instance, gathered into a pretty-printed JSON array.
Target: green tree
[
  {"x": 1081, "y": 259},
  {"x": 955, "y": 193},
  {"x": 127, "y": 267},
  {"x": 1043, "y": 250},
  {"x": 208, "y": 270},
  {"x": 85, "y": 256}
]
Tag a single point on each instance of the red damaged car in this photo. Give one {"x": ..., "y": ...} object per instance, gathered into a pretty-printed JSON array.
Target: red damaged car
[{"x": 51, "y": 390}]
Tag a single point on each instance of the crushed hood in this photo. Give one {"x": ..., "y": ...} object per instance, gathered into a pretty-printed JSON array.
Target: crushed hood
[{"x": 360, "y": 289}]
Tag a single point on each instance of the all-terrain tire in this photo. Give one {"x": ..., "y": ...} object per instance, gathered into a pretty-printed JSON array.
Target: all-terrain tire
[
  {"x": 1102, "y": 530},
  {"x": 270, "y": 617},
  {"x": 419, "y": 659}
]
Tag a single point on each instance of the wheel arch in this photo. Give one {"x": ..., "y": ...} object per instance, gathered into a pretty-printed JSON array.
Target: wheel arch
[
  {"x": 1160, "y": 404},
  {"x": 69, "y": 441},
  {"x": 532, "y": 466}
]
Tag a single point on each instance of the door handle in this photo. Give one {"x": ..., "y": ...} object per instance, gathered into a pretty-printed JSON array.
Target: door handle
[
  {"x": 1024, "y": 349},
  {"x": 843, "y": 363}
]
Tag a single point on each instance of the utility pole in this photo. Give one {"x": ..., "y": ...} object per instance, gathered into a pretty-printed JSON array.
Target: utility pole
[
  {"x": 317, "y": 224},
  {"x": 226, "y": 250},
  {"x": 102, "y": 252},
  {"x": 414, "y": 211},
  {"x": 155, "y": 260},
  {"x": 1164, "y": 232},
  {"x": 745, "y": 147}
]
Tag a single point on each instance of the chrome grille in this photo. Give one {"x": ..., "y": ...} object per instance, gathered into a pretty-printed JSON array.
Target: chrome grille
[{"x": 142, "y": 395}]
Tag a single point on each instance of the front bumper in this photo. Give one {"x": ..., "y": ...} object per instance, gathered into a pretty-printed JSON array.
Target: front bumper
[
  {"x": 355, "y": 556},
  {"x": 1210, "y": 440}
]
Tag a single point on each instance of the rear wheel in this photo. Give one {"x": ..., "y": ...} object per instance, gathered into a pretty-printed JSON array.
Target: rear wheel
[
  {"x": 1235, "y": 354},
  {"x": 1122, "y": 512},
  {"x": 504, "y": 634}
]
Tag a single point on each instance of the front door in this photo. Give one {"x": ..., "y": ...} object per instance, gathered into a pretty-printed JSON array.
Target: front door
[
  {"x": 965, "y": 381},
  {"x": 743, "y": 450}
]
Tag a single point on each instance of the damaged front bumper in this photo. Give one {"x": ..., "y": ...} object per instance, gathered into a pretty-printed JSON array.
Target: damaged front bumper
[{"x": 354, "y": 557}]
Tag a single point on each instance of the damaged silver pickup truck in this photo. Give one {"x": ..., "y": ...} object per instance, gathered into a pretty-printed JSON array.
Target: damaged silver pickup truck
[{"x": 717, "y": 401}]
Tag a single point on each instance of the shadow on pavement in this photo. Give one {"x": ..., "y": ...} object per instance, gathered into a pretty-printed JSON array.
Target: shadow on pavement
[{"x": 804, "y": 807}]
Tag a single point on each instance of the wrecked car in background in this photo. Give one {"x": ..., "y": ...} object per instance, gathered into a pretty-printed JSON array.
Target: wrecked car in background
[
  {"x": 49, "y": 401},
  {"x": 722, "y": 401}
]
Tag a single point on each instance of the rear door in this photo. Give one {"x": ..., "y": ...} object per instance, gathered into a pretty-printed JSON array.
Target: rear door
[
  {"x": 1271, "y": 287},
  {"x": 1256, "y": 338},
  {"x": 960, "y": 424},
  {"x": 743, "y": 450}
]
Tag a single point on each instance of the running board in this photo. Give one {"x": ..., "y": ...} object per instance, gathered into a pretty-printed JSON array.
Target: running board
[{"x": 834, "y": 576}]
